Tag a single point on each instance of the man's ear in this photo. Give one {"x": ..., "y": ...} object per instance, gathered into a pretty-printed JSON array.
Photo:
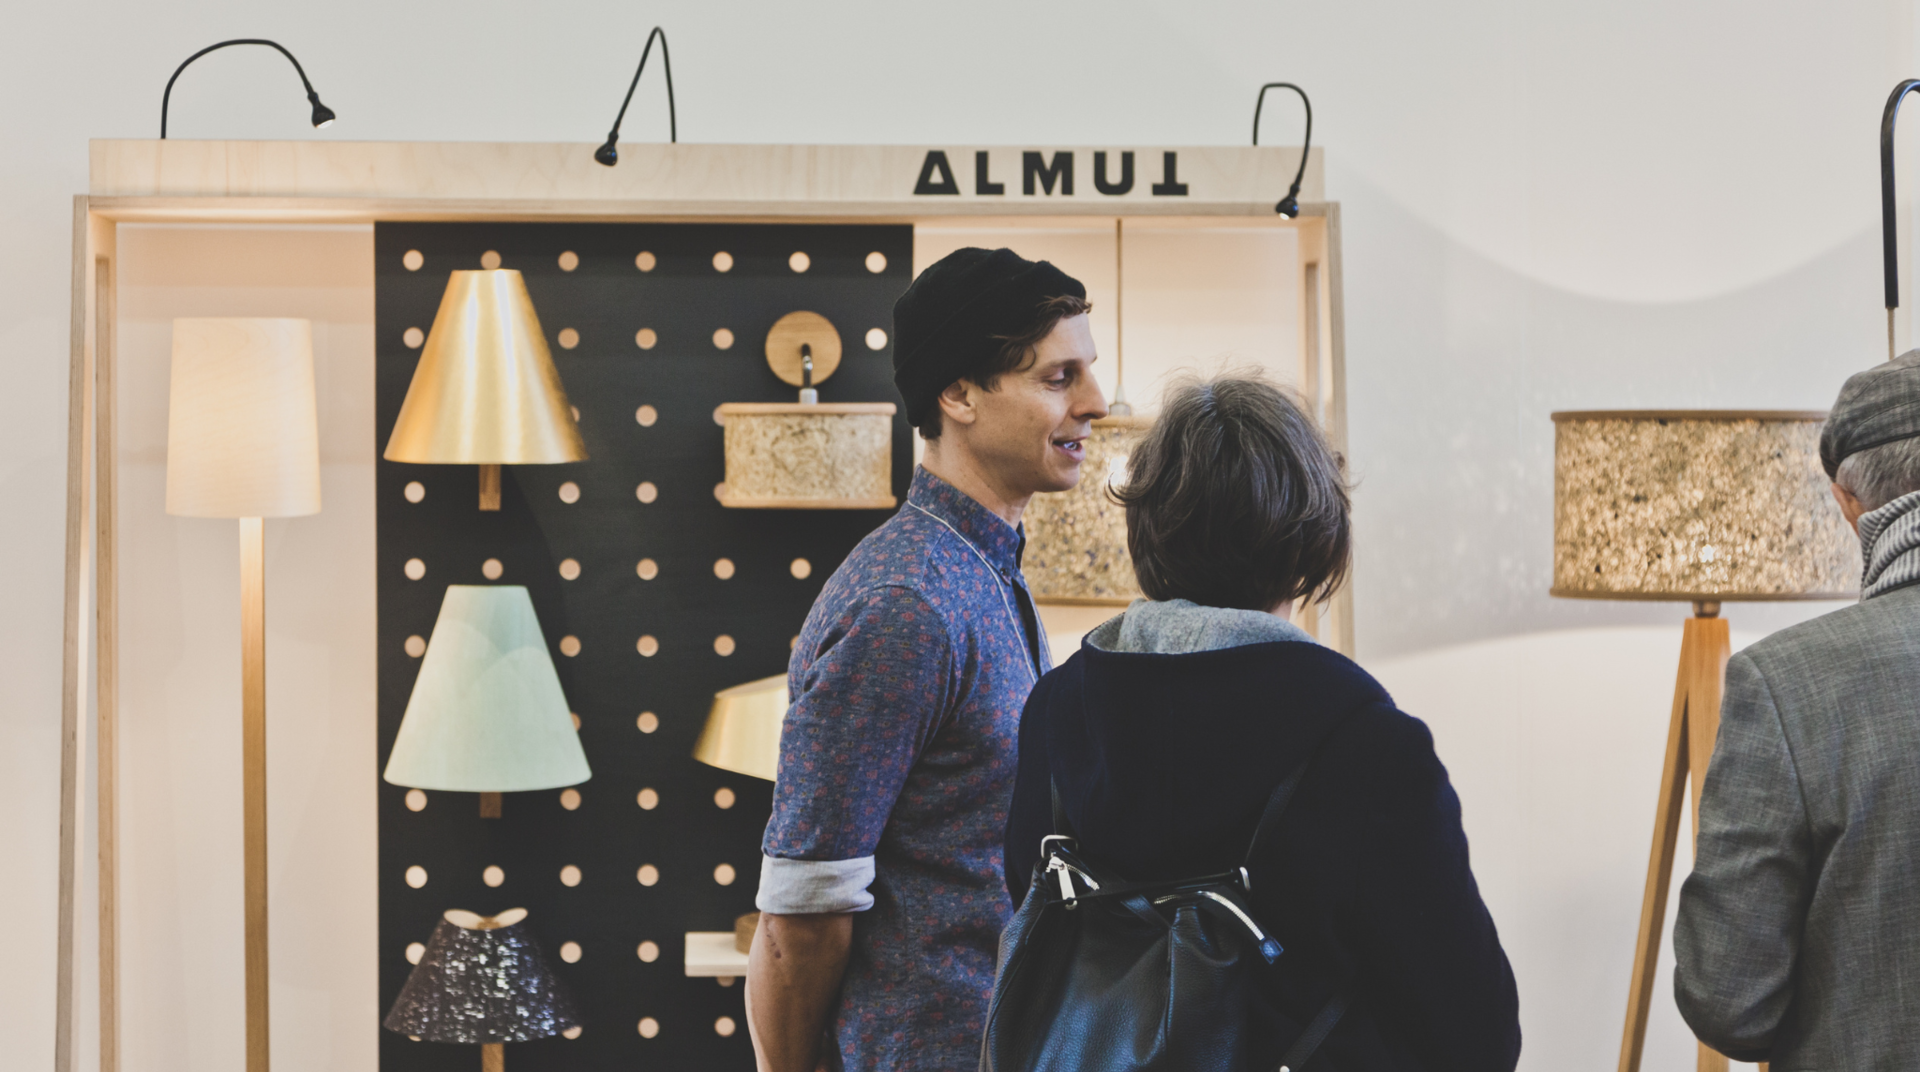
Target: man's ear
[
  {"x": 1850, "y": 507},
  {"x": 957, "y": 402}
]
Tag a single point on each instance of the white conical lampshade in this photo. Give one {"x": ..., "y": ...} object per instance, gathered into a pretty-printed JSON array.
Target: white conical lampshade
[
  {"x": 243, "y": 435},
  {"x": 487, "y": 714}
]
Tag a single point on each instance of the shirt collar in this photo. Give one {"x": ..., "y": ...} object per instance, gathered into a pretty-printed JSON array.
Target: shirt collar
[{"x": 1000, "y": 542}]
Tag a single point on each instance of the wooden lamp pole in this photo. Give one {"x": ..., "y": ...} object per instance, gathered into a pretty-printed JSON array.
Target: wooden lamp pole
[{"x": 253, "y": 779}]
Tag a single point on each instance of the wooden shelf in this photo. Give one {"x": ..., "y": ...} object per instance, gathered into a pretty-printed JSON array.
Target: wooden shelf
[{"x": 711, "y": 954}]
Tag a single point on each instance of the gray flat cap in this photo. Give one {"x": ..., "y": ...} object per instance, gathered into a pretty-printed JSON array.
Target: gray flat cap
[{"x": 1876, "y": 407}]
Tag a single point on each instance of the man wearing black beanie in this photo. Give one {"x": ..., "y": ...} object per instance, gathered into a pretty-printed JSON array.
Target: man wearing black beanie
[{"x": 881, "y": 890}]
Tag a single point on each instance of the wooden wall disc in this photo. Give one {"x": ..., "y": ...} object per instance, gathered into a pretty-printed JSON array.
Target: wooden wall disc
[{"x": 786, "y": 337}]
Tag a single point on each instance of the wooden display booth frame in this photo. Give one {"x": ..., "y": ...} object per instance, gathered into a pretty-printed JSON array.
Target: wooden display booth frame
[{"x": 321, "y": 182}]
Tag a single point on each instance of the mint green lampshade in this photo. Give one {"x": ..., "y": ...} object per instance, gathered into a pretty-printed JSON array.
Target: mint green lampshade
[{"x": 487, "y": 714}]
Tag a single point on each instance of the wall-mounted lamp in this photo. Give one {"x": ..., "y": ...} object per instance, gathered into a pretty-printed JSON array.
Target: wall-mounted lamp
[
  {"x": 1289, "y": 205},
  {"x": 322, "y": 115},
  {"x": 1889, "y": 240},
  {"x": 609, "y": 154}
]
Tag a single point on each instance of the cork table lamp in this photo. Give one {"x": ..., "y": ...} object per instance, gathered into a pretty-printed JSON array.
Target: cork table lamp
[
  {"x": 486, "y": 391},
  {"x": 483, "y": 981},
  {"x": 1699, "y": 506},
  {"x": 487, "y": 714},
  {"x": 243, "y": 441}
]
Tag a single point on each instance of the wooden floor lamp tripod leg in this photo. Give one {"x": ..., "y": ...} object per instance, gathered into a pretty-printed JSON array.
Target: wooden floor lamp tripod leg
[
  {"x": 1704, "y": 649},
  {"x": 253, "y": 778}
]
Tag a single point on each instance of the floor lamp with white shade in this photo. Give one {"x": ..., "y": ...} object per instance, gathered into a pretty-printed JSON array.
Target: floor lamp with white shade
[{"x": 243, "y": 441}]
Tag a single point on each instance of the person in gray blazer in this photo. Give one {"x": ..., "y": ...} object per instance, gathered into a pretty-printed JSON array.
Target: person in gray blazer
[{"x": 1798, "y": 938}]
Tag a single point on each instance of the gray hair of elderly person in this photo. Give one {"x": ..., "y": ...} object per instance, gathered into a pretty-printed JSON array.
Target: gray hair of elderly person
[
  {"x": 1234, "y": 498},
  {"x": 1878, "y": 475}
]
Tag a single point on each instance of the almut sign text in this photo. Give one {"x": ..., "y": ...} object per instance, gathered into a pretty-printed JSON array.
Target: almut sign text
[{"x": 1051, "y": 173}]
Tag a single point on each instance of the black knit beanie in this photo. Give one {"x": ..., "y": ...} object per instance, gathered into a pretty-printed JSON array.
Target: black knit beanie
[{"x": 944, "y": 326}]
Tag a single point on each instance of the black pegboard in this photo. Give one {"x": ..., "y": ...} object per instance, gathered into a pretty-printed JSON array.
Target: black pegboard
[{"x": 607, "y": 299}]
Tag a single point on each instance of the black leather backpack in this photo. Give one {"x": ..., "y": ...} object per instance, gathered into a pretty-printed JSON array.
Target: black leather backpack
[{"x": 1097, "y": 974}]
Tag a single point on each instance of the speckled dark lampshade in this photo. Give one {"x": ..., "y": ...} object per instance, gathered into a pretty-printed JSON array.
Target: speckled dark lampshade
[{"x": 482, "y": 981}]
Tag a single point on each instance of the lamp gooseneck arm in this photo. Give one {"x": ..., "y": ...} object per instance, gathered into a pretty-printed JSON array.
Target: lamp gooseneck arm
[
  {"x": 1306, "y": 143},
  {"x": 1889, "y": 233},
  {"x": 608, "y": 154},
  {"x": 314, "y": 98}
]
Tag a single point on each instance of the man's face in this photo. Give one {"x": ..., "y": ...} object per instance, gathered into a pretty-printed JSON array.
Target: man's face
[{"x": 1031, "y": 429}]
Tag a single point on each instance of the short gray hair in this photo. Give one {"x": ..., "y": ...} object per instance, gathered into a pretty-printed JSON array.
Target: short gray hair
[{"x": 1878, "y": 475}]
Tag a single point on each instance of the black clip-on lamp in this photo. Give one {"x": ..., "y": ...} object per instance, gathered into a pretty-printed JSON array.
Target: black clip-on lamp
[
  {"x": 608, "y": 154},
  {"x": 1889, "y": 237},
  {"x": 1289, "y": 205},
  {"x": 322, "y": 115}
]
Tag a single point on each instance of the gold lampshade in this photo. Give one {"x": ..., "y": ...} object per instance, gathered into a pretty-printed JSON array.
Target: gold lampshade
[
  {"x": 743, "y": 728},
  {"x": 1077, "y": 540},
  {"x": 1705, "y": 505},
  {"x": 243, "y": 431},
  {"x": 486, "y": 390}
]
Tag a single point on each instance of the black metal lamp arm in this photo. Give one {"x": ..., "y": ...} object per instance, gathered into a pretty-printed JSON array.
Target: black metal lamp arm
[
  {"x": 608, "y": 154},
  {"x": 322, "y": 115},
  {"x": 1289, "y": 205}
]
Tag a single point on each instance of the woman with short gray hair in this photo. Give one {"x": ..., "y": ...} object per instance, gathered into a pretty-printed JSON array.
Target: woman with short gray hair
[{"x": 1166, "y": 734}]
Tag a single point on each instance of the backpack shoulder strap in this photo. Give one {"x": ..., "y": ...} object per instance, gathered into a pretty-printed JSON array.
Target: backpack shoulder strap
[
  {"x": 1060, "y": 824},
  {"x": 1282, "y": 793},
  {"x": 1303, "y": 1047}
]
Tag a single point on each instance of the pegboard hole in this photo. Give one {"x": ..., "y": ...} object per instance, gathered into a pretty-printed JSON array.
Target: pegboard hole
[
  {"x": 720, "y": 491},
  {"x": 647, "y": 568},
  {"x": 800, "y": 568},
  {"x": 723, "y": 798},
  {"x": 569, "y": 493},
  {"x": 723, "y": 261},
  {"x": 413, "y": 259},
  {"x": 569, "y": 569},
  {"x": 569, "y": 646},
  {"x": 723, "y": 645},
  {"x": 648, "y": 799},
  {"x": 718, "y": 417},
  {"x": 574, "y": 411},
  {"x": 645, "y": 416},
  {"x": 724, "y": 1027},
  {"x": 569, "y": 876},
  {"x": 414, "y": 338},
  {"x": 646, "y": 492},
  {"x": 416, "y": 569},
  {"x": 645, "y": 261},
  {"x": 647, "y": 646},
  {"x": 723, "y": 339},
  {"x": 649, "y": 952},
  {"x": 570, "y": 952},
  {"x": 724, "y": 874},
  {"x": 416, "y": 645},
  {"x": 649, "y": 875},
  {"x": 876, "y": 262},
  {"x": 876, "y": 339},
  {"x": 569, "y": 338},
  {"x": 647, "y": 722},
  {"x": 490, "y": 260},
  {"x": 569, "y": 261},
  {"x": 793, "y": 642},
  {"x": 491, "y": 569},
  {"x": 493, "y": 875},
  {"x": 723, "y": 568},
  {"x": 416, "y": 800},
  {"x": 415, "y": 951},
  {"x": 646, "y": 338},
  {"x": 570, "y": 798},
  {"x": 575, "y": 716},
  {"x": 571, "y": 1032},
  {"x": 416, "y": 491},
  {"x": 649, "y": 1027},
  {"x": 416, "y": 876},
  {"x": 799, "y": 262}
]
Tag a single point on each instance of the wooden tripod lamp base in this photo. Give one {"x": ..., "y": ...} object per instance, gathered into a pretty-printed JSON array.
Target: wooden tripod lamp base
[{"x": 1705, "y": 646}]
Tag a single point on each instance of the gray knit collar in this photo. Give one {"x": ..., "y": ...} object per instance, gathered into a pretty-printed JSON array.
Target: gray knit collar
[
  {"x": 1890, "y": 546},
  {"x": 1179, "y": 627}
]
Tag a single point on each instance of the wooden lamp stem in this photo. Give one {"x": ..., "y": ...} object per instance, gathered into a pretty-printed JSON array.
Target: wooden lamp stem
[
  {"x": 489, "y": 805},
  {"x": 253, "y": 778},
  {"x": 493, "y": 1057},
  {"x": 1705, "y": 646},
  {"x": 489, "y": 487}
]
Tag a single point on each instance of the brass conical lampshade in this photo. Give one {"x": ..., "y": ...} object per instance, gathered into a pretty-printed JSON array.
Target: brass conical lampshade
[
  {"x": 486, "y": 390},
  {"x": 743, "y": 728}
]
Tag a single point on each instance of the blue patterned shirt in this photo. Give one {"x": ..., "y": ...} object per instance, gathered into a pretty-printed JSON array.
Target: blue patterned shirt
[{"x": 897, "y": 762}]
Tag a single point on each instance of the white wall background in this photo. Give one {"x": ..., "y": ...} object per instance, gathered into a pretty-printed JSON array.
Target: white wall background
[{"x": 1547, "y": 206}]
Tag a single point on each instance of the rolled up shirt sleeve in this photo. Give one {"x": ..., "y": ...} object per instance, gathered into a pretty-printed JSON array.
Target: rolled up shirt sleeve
[{"x": 871, "y": 689}]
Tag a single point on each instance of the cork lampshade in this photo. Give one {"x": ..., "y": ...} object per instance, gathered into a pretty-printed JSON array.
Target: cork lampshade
[
  {"x": 243, "y": 432},
  {"x": 486, "y": 391},
  {"x": 1077, "y": 540},
  {"x": 1700, "y": 505},
  {"x": 743, "y": 728},
  {"x": 487, "y": 714}
]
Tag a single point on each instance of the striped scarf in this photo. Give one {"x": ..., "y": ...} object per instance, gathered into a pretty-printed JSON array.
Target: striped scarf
[{"x": 1890, "y": 546}]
